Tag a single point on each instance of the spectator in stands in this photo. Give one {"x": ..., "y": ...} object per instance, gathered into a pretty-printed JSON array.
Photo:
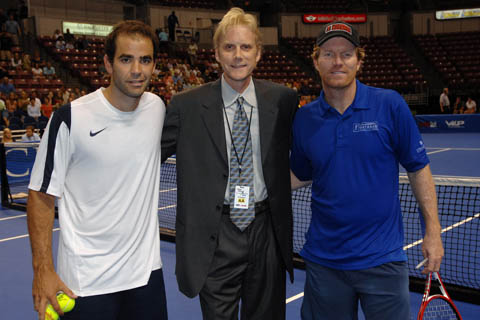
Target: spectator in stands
[
  {"x": 71, "y": 97},
  {"x": 163, "y": 39},
  {"x": 458, "y": 106},
  {"x": 16, "y": 61},
  {"x": 5, "y": 46},
  {"x": 36, "y": 57},
  {"x": 445, "y": 102},
  {"x": 30, "y": 135},
  {"x": 49, "y": 70},
  {"x": 60, "y": 43},
  {"x": 34, "y": 107},
  {"x": 7, "y": 86},
  {"x": 172, "y": 23},
  {"x": 26, "y": 62},
  {"x": 23, "y": 99},
  {"x": 82, "y": 43},
  {"x": 58, "y": 98},
  {"x": 47, "y": 107},
  {"x": 56, "y": 34},
  {"x": 37, "y": 71},
  {"x": 192, "y": 53},
  {"x": 12, "y": 113},
  {"x": 69, "y": 45},
  {"x": 65, "y": 94},
  {"x": 68, "y": 37},
  {"x": 470, "y": 106},
  {"x": 13, "y": 28},
  {"x": 7, "y": 136},
  {"x": 350, "y": 142}
]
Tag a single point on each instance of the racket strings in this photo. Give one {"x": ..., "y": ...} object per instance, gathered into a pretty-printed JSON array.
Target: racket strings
[{"x": 439, "y": 309}]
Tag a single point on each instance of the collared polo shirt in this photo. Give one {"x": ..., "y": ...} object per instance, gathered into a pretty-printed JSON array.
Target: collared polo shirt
[{"x": 353, "y": 160}]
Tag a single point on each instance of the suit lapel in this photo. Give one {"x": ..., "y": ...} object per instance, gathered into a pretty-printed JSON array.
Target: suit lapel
[
  {"x": 267, "y": 115},
  {"x": 212, "y": 115}
]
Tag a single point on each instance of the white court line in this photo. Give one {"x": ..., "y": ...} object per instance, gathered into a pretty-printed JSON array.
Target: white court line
[
  {"x": 14, "y": 217},
  {"x": 476, "y": 216},
  {"x": 458, "y": 149},
  {"x": 438, "y": 151},
  {"x": 416, "y": 243},
  {"x": 22, "y": 236},
  {"x": 168, "y": 207},
  {"x": 298, "y": 296},
  {"x": 168, "y": 190}
]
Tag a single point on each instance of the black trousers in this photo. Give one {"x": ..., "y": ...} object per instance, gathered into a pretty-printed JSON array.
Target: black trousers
[
  {"x": 247, "y": 266},
  {"x": 146, "y": 302}
]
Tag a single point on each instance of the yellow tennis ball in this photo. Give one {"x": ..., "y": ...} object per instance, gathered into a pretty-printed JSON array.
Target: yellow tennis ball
[
  {"x": 66, "y": 303},
  {"x": 50, "y": 313}
]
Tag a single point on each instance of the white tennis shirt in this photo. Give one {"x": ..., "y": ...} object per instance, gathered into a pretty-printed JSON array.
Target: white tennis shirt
[{"x": 104, "y": 166}]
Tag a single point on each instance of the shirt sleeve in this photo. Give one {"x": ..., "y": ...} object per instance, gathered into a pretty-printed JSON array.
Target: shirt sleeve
[
  {"x": 53, "y": 155},
  {"x": 408, "y": 142},
  {"x": 299, "y": 162}
]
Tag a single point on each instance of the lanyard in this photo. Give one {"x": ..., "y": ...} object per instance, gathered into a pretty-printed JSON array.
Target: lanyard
[{"x": 239, "y": 160}]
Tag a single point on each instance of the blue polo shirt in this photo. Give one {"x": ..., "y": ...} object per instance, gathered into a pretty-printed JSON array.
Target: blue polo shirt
[{"x": 353, "y": 161}]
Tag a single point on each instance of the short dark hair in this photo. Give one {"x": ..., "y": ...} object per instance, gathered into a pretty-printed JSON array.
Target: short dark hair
[{"x": 130, "y": 27}]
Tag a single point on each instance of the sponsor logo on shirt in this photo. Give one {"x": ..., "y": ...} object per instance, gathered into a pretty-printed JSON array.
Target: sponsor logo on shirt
[
  {"x": 93, "y": 134},
  {"x": 365, "y": 126},
  {"x": 455, "y": 123},
  {"x": 421, "y": 148}
]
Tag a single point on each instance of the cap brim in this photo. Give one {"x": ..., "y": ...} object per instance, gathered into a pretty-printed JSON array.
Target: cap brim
[{"x": 330, "y": 36}]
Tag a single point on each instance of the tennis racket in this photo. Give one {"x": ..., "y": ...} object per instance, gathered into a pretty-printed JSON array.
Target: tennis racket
[{"x": 437, "y": 305}]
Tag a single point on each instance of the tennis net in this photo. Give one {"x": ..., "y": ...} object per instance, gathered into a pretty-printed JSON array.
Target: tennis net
[{"x": 458, "y": 202}]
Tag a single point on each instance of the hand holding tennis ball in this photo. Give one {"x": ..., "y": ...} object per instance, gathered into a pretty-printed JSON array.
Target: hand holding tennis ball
[{"x": 66, "y": 304}]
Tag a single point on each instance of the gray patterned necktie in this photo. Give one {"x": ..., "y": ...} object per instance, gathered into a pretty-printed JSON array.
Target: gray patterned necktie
[{"x": 241, "y": 167}]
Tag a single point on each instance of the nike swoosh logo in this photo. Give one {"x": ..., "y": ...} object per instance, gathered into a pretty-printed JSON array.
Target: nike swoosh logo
[{"x": 93, "y": 134}]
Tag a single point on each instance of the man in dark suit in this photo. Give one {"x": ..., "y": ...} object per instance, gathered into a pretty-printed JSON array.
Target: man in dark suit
[{"x": 234, "y": 216}]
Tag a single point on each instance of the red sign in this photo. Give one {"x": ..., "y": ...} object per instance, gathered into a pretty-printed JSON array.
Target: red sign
[{"x": 327, "y": 18}]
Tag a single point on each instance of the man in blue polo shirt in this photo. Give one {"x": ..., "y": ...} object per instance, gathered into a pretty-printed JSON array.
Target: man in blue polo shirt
[{"x": 349, "y": 142}]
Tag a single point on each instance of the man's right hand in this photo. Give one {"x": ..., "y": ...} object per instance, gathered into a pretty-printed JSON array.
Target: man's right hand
[{"x": 46, "y": 285}]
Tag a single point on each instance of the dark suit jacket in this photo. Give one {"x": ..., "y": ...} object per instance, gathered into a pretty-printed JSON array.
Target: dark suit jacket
[{"x": 194, "y": 130}]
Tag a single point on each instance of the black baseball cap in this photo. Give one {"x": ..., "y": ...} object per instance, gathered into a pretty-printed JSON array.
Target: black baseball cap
[{"x": 338, "y": 29}]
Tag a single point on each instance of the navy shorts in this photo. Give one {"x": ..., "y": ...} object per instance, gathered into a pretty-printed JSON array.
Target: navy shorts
[
  {"x": 148, "y": 302},
  {"x": 335, "y": 294}
]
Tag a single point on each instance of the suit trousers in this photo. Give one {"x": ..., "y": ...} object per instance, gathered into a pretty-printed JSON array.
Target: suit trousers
[{"x": 246, "y": 266}]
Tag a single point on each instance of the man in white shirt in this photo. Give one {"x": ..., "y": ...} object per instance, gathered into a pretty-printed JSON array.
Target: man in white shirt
[
  {"x": 445, "y": 102},
  {"x": 470, "y": 106},
  {"x": 100, "y": 159},
  {"x": 30, "y": 135}
]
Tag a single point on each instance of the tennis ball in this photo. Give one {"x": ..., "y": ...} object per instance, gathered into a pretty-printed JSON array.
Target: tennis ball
[
  {"x": 50, "y": 313},
  {"x": 66, "y": 303}
]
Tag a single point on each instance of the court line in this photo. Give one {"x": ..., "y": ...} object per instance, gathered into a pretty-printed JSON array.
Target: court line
[
  {"x": 22, "y": 236},
  {"x": 14, "y": 217},
  {"x": 295, "y": 297},
  {"x": 457, "y": 149},
  {"x": 438, "y": 151},
  {"x": 416, "y": 243},
  {"x": 167, "y": 190},
  {"x": 168, "y": 207}
]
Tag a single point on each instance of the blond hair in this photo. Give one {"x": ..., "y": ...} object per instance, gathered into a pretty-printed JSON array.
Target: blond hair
[{"x": 235, "y": 17}]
